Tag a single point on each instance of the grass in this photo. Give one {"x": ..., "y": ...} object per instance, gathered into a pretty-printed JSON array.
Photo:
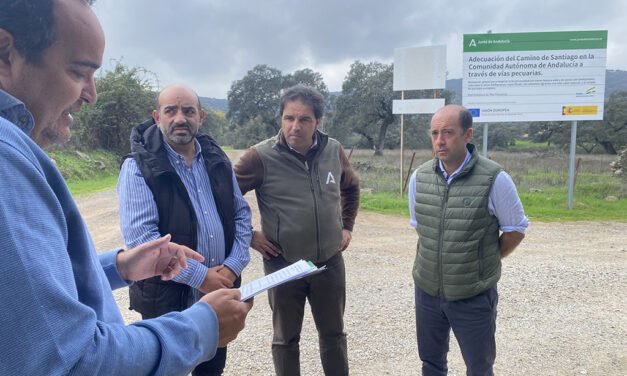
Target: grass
[
  {"x": 526, "y": 145},
  {"x": 84, "y": 187},
  {"x": 541, "y": 178},
  {"x": 551, "y": 206},
  {"x": 87, "y": 172}
]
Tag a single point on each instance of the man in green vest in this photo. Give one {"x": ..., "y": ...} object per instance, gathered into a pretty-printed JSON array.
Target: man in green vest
[
  {"x": 308, "y": 196},
  {"x": 468, "y": 216}
]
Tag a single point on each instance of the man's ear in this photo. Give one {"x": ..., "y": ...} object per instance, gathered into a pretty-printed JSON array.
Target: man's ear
[
  {"x": 468, "y": 135},
  {"x": 155, "y": 116},
  {"x": 7, "y": 49}
]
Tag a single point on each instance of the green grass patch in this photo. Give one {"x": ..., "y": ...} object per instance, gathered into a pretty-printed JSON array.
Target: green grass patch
[
  {"x": 550, "y": 205},
  {"x": 387, "y": 203},
  {"x": 524, "y": 145},
  {"x": 83, "y": 187},
  {"x": 87, "y": 172}
]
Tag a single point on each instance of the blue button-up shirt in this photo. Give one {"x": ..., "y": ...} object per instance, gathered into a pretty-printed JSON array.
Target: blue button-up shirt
[
  {"x": 139, "y": 218},
  {"x": 15, "y": 111},
  {"x": 503, "y": 200}
]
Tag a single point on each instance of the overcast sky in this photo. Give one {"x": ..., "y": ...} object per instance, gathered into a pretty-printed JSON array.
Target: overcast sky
[{"x": 208, "y": 44}]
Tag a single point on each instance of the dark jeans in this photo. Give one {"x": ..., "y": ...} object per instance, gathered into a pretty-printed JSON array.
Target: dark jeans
[
  {"x": 326, "y": 292},
  {"x": 473, "y": 321},
  {"x": 213, "y": 367}
]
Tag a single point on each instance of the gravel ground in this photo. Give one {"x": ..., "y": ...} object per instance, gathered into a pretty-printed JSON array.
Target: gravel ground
[{"x": 562, "y": 308}]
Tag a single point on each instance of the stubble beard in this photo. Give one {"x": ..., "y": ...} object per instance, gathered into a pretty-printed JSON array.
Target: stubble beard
[{"x": 181, "y": 140}]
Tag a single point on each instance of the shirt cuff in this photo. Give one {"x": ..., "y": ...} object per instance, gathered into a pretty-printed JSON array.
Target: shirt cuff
[
  {"x": 109, "y": 265},
  {"x": 193, "y": 275},
  {"x": 209, "y": 327},
  {"x": 235, "y": 265}
]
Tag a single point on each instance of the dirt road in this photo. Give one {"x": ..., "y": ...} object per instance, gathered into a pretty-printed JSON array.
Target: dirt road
[{"x": 562, "y": 309}]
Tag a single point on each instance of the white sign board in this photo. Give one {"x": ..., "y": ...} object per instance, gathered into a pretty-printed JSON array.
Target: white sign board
[
  {"x": 548, "y": 76},
  {"x": 417, "y": 106},
  {"x": 419, "y": 68}
]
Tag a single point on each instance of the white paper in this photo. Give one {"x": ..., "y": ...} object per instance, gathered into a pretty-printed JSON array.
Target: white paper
[{"x": 297, "y": 270}]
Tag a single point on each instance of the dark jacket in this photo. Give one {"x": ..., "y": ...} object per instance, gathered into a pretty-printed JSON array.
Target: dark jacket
[{"x": 176, "y": 214}]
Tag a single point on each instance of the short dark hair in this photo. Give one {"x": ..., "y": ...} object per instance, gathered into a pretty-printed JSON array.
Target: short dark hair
[
  {"x": 32, "y": 24},
  {"x": 306, "y": 94},
  {"x": 465, "y": 119}
]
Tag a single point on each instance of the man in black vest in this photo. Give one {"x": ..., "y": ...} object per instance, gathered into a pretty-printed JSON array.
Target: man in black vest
[{"x": 178, "y": 181}]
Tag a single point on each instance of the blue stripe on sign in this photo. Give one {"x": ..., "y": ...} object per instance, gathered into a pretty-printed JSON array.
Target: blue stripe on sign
[{"x": 475, "y": 112}]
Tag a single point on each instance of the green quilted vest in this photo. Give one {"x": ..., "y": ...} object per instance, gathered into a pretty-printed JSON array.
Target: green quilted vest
[
  {"x": 457, "y": 256},
  {"x": 300, "y": 208}
]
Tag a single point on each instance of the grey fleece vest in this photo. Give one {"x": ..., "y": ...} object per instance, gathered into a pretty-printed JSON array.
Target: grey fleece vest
[
  {"x": 300, "y": 207},
  {"x": 458, "y": 250}
]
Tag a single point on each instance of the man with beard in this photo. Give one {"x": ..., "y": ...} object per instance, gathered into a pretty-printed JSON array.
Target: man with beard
[{"x": 178, "y": 181}]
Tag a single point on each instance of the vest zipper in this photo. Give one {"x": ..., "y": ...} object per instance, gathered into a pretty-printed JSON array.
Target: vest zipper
[
  {"x": 315, "y": 202},
  {"x": 441, "y": 242}
]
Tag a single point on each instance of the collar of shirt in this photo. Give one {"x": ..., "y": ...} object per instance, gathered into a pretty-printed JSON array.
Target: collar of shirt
[
  {"x": 314, "y": 144},
  {"x": 174, "y": 155},
  {"x": 450, "y": 178},
  {"x": 15, "y": 111}
]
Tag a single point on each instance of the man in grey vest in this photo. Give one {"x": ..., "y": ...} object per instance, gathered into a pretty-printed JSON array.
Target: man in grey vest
[
  {"x": 308, "y": 196},
  {"x": 468, "y": 216}
]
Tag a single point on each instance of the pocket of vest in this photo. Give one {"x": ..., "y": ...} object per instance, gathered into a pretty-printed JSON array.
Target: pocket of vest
[{"x": 153, "y": 297}]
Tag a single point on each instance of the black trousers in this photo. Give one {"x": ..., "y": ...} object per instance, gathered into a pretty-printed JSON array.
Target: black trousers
[
  {"x": 473, "y": 321},
  {"x": 213, "y": 367},
  {"x": 153, "y": 298}
]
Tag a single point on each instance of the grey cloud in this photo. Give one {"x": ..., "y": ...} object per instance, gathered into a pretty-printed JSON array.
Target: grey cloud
[{"x": 209, "y": 44}]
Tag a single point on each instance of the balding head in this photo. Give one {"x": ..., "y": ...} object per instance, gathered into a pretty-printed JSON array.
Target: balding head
[
  {"x": 177, "y": 90},
  {"x": 464, "y": 117}
]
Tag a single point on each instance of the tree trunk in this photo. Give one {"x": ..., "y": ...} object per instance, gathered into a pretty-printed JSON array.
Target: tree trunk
[
  {"x": 608, "y": 147},
  {"x": 378, "y": 147}
]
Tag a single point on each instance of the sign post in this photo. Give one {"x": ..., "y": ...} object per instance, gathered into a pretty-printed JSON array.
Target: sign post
[{"x": 417, "y": 68}]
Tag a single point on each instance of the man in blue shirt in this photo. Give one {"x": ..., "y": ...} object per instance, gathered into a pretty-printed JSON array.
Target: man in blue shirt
[
  {"x": 178, "y": 181},
  {"x": 468, "y": 215},
  {"x": 59, "y": 315}
]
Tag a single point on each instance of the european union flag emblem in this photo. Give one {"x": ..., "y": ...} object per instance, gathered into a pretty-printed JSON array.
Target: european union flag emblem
[{"x": 475, "y": 112}]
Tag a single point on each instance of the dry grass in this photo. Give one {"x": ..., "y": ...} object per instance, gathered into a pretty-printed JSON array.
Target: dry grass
[{"x": 540, "y": 170}]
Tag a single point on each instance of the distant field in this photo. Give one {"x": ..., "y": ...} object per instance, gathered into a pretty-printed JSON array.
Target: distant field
[{"x": 541, "y": 178}]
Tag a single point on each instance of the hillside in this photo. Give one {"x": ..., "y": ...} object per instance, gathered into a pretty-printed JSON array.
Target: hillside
[
  {"x": 215, "y": 104},
  {"x": 615, "y": 80}
]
